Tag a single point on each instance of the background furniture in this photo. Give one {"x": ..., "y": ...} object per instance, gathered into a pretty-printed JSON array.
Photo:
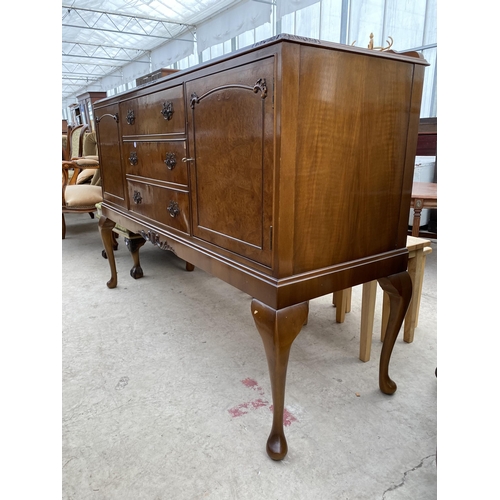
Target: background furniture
[
  {"x": 418, "y": 249},
  {"x": 77, "y": 198},
  {"x": 86, "y": 107},
  {"x": 81, "y": 188},
  {"x": 284, "y": 169},
  {"x": 74, "y": 141},
  {"x": 89, "y": 152},
  {"x": 423, "y": 195},
  {"x": 427, "y": 146},
  {"x": 155, "y": 75}
]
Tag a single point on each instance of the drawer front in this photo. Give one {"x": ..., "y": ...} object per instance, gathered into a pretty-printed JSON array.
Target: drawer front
[
  {"x": 166, "y": 206},
  {"x": 157, "y": 160},
  {"x": 159, "y": 113}
]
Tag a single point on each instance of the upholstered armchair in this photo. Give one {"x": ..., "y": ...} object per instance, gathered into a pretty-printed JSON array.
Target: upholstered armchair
[
  {"x": 73, "y": 142},
  {"x": 81, "y": 188},
  {"x": 89, "y": 152}
]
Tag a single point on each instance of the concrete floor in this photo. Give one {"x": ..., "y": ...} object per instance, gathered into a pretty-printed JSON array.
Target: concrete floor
[{"x": 166, "y": 393}]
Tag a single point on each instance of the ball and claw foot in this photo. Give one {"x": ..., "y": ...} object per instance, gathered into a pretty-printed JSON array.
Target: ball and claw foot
[{"x": 136, "y": 272}]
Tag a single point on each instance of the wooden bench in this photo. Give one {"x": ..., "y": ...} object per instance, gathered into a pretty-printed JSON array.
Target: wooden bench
[{"x": 418, "y": 249}]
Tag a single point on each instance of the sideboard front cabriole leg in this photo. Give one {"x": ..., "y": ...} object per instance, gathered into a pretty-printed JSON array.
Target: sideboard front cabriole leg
[
  {"x": 106, "y": 229},
  {"x": 399, "y": 289},
  {"x": 278, "y": 329}
]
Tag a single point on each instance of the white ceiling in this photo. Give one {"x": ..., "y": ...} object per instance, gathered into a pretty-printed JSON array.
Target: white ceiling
[{"x": 101, "y": 36}]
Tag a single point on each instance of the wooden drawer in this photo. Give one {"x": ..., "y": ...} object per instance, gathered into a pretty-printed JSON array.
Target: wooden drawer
[
  {"x": 164, "y": 205},
  {"x": 159, "y": 113},
  {"x": 157, "y": 160}
]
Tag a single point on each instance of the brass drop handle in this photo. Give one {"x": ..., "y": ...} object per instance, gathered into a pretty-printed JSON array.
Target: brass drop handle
[
  {"x": 137, "y": 197},
  {"x": 168, "y": 110},
  {"x": 185, "y": 160},
  {"x": 170, "y": 161},
  {"x": 133, "y": 160},
  {"x": 173, "y": 208},
  {"x": 130, "y": 117}
]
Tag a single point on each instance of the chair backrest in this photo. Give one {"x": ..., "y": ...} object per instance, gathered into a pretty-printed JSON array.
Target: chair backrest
[
  {"x": 90, "y": 144},
  {"x": 65, "y": 147},
  {"x": 75, "y": 142}
]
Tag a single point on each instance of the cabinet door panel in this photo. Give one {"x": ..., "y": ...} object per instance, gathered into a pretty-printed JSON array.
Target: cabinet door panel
[
  {"x": 231, "y": 133},
  {"x": 108, "y": 132}
]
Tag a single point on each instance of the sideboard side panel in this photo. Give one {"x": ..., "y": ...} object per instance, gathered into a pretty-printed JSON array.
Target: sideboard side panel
[{"x": 351, "y": 152}]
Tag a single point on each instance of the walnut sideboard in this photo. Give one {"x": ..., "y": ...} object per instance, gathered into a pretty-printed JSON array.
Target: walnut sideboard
[{"x": 284, "y": 169}]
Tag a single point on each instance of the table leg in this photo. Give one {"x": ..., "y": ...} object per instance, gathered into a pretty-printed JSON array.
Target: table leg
[
  {"x": 399, "y": 289},
  {"x": 106, "y": 230},
  {"x": 278, "y": 329},
  {"x": 426, "y": 251},
  {"x": 415, "y": 270},
  {"x": 417, "y": 211},
  {"x": 367, "y": 314},
  {"x": 342, "y": 301}
]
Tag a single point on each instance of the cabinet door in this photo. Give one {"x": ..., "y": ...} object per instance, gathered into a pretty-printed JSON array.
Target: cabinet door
[
  {"x": 231, "y": 121},
  {"x": 108, "y": 133}
]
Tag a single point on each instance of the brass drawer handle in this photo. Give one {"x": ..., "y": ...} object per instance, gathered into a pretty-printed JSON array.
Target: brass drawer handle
[
  {"x": 99, "y": 118},
  {"x": 168, "y": 110},
  {"x": 133, "y": 160},
  {"x": 173, "y": 208},
  {"x": 137, "y": 197},
  {"x": 185, "y": 160},
  {"x": 170, "y": 160}
]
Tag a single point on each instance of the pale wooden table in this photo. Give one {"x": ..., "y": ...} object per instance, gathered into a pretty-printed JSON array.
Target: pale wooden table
[
  {"x": 418, "y": 249},
  {"x": 423, "y": 195}
]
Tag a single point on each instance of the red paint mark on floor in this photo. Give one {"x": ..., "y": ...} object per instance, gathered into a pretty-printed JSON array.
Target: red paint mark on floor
[
  {"x": 238, "y": 411},
  {"x": 259, "y": 403},
  {"x": 243, "y": 408},
  {"x": 250, "y": 383}
]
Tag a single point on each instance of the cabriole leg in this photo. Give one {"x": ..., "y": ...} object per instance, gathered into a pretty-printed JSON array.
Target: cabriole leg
[
  {"x": 278, "y": 329},
  {"x": 398, "y": 287},
  {"x": 106, "y": 229}
]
